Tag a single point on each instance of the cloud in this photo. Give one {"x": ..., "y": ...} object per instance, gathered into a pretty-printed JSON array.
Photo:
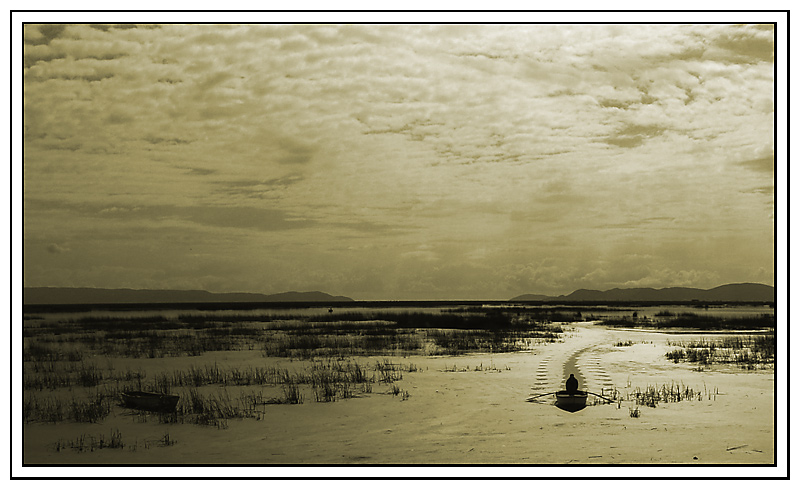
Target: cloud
[
  {"x": 119, "y": 118},
  {"x": 747, "y": 44},
  {"x": 768, "y": 190},
  {"x": 766, "y": 164},
  {"x": 260, "y": 189},
  {"x": 420, "y": 256},
  {"x": 158, "y": 140},
  {"x": 89, "y": 70},
  {"x": 685, "y": 278},
  {"x": 55, "y": 248},
  {"x": 633, "y": 135},
  {"x": 37, "y": 34},
  {"x": 493, "y": 146},
  {"x": 201, "y": 171},
  {"x": 239, "y": 217},
  {"x": 107, "y": 27},
  {"x": 262, "y": 219},
  {"x": 34, "y": 53}
]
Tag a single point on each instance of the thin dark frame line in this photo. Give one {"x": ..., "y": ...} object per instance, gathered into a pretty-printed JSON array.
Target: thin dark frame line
[
  {"x": 775, "y": 183},
  {"x": 417, "y": 11}
]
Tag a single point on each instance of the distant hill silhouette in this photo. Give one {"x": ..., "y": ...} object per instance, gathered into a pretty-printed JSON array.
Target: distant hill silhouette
[
  {"x": 38, "y": 296},
  {"x": 730, "y": 292},
  {"x": 533, "y": 297}
]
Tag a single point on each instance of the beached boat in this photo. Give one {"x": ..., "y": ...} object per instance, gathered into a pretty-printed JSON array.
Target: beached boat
[
  {"x": 571, "y": 401},
  {"x": 155, "y": 402}
]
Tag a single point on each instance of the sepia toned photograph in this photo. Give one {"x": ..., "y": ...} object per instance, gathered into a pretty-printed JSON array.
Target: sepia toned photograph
[{"x": 383, "y": 247}]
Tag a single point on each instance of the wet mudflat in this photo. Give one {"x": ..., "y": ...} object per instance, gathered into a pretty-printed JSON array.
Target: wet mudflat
[{"x": 430, "y": 409}]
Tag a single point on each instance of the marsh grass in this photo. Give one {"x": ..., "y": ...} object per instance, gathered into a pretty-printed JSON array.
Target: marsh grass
[
  {"x": 330, "y": 380},
  {"x": 542, "y": 315},
  {"x": 58, "y": 356},
  {"x": 213, "y": 409},
  {"x": 86, "y": 442},
  {"x": 339, "y": 379},
  {"x": 91, "y": 443},
  {"x": 89, "y": 375},
  {"x": 166, "y": 440},
  {"x": 325, "y": 392},
  {"x": 292, "y": 394},
  {"x": 694, "y": 321},
  {"x": 42, "y": 350},
  {"x": 372, "y": 332},
  {"x": 217, "y": 408},
  {"x": 46, "y": 380},
  {"x": 397, "y": 391},
  {"x": 388, "y": 372},
  {"x": 41, "y": 375},
  {"x": 672, "y": 392},
  {"x": 748, "y": 351},
  {"x": 652, "y": 395},
  {"x": 54, "y": 408}
]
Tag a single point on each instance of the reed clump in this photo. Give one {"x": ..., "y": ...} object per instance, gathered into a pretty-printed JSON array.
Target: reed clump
[
  {"x": 749, "y": 351},
  {"x": 666, "y": 319},
  {"x": 213, "y": 409},
  {"x": 87, "y": 442},
  {"x": 40, "y": 408},
  {"x": 671, "y": 392},
  {"x": 336, "y": 379}
]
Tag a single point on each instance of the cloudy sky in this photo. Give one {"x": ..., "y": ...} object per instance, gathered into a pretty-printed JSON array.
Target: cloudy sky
[{"x": 398, "y": 161}]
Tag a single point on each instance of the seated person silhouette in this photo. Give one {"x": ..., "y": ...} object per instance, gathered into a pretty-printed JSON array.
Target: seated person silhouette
[{"x": 572, "y": 384}]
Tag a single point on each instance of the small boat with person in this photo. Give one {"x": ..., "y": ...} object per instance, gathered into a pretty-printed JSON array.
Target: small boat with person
[
  {"x": 154, "y": 402},
  {"x": 571, "y": 401}
]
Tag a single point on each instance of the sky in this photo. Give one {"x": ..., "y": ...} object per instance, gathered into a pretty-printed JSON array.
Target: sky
[{"x": 398, "y": 161}]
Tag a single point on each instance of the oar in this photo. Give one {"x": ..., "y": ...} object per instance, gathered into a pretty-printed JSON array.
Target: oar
[
  {"x": 601, "y": 396},
  {"x": 537, "y": 396}
]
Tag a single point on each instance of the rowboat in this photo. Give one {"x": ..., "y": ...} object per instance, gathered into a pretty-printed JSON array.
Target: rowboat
[
  {"x": 154, "y": 402},
  {"x": 571, "y": 401}
]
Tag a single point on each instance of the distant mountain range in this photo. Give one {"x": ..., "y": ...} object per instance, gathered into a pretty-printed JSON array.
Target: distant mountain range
[
  {"x": 53, "y": 296},
  {"x": 746, "y": 292}
]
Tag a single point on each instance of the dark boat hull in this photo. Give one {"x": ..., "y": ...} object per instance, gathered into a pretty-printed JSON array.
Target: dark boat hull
[
  {"x": 154, "y": 402},
  {"x": 571, "y": 401}
]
